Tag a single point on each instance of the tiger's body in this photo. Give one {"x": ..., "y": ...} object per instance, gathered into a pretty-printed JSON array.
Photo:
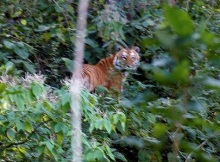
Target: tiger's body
[{"x": 110, "y": 71}]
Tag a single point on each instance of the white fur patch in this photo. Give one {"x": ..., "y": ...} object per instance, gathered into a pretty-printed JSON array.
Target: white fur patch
[
  {"x": 132, "y": 54},
  {"x": 124, "y": 54}
]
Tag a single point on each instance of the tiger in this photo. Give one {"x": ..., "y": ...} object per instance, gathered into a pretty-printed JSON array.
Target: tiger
[{"x": 111, "y": 71}]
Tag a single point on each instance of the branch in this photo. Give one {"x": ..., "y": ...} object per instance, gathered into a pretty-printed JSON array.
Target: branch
[
  {"x": 198, "y": 147},
  {"x": 65, "y": 17},
  {"x": 27, "y": 139},
  {"x": 172, "y": 2}
]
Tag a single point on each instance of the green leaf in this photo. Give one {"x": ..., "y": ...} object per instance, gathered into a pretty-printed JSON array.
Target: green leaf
[
  {"x": 162, "y": 76},
  {"x": 91, "y": 127},
  {"x": 181, "y": 72},
  {"x": 2, "y": 87},
  {"x": 91, "y": 42},
  {"x": 179, "y": 20},
  {"x": 115, "y": 119},
  {"x": 49, "y": 145},
  {"x": 41, "y": 149},
  {"x": 48, "y": 105},
  {"x": 148, "y": 41},
  {"x": 197, "y": 106},
  {"x": 19, "y": 102},
  {"x": 28, "y": 127},
  {"x": 22, "y": 52},
  {"x": 37, "y": 89},
  {"x": 165, "y": 38},
  {"x": 107, "y": 125},
  {"x": 212, "y": 83},
  {"x": 68, "y": 63},
  {"x": 99, "y": 123},
  {"x": 109, "y": 153},
  {"x": 57, "y": 127},
  {"x": 18, "y": 48},
  {"x": 171, "y": 156},
  {"x": 10, "y": 134},
  {"x": 9, "y": 66},
  {"x": 60, "y": 137},
  {"x": 23, "y": 22},
  {"x": 93, "y": 155},
  {"x": 47, "y": 36},
  {"x": 29, "y": 67},
  {"x": 8, "y": 44},
  {"x": 61, "y": 127},
  {"x": 101, "y": 2},
  {"x": 120, "y": 156},
  {"x": 210, "y": 38},
  {"x": 60, "y": 35},
  {"x": 191, "y": 133},
  {"x": 122, "y": 116},
  {"x": 22, "y": 150},
  {"x": 42, "y": 28},
  {"x": 65, "y": 99},
  {"x": 151, "y": 118},
  {"x": 19, "y": 125},
  {"x": 99, "y": 153},
  {"x": 51, "y": 115},
  {"x": 159, "y": 130}
]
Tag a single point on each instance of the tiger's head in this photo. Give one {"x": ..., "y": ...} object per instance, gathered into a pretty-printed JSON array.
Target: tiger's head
[{"x": 126, "y": 59}]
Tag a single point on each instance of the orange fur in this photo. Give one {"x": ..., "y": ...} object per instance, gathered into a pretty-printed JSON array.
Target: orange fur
[{"x": 109, "y": 71}]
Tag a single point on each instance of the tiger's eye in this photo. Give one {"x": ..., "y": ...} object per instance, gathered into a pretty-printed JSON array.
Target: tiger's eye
[{"x": 132, "y": 58}]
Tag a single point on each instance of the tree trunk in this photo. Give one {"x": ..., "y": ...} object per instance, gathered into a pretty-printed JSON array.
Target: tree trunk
[
  {"x": 75, "y": 88},
  {"x": 172, "y": 2}
]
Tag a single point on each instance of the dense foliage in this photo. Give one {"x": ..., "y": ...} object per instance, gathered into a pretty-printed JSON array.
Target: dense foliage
[{"x": 169, "y": 110}]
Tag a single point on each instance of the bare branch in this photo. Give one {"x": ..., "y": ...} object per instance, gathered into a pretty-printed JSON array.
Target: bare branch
[
  {"x": 172, "y": 2},
  {"x": 189, "y": 156},
  {"x": 27, "y": 139}
]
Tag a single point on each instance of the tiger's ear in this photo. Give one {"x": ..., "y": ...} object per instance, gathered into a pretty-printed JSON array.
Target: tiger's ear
[
  {"x": 119, "y": 47},
  {"x": 137, "y": 49}
]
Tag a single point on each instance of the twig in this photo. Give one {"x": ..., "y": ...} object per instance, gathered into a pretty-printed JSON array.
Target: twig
[
  {"x": 26, "y": 140},
  {"x": 176, "y": 142},
  {"x": 172, "y": 2},
  {"x": 64, "y": 15},
  {"x": 198, "y": 147}
]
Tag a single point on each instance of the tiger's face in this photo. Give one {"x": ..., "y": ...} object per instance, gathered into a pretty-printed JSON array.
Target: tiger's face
[{"x": 127, "y": 59}]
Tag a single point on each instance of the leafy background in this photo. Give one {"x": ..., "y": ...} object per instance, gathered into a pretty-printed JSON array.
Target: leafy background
[{"x": 170, "y": 108}]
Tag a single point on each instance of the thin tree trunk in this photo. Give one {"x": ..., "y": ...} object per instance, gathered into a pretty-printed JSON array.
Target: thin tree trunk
[
  {"x": 76, "y": 87},
  {"x": 172, "y": 2}
]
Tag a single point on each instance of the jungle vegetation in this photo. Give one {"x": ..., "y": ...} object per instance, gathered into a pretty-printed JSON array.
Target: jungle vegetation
[{"x": 170, "y": 107}]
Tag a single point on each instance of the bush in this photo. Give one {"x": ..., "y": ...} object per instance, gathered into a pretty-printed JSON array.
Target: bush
[{"x": 169, "y": 110}]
